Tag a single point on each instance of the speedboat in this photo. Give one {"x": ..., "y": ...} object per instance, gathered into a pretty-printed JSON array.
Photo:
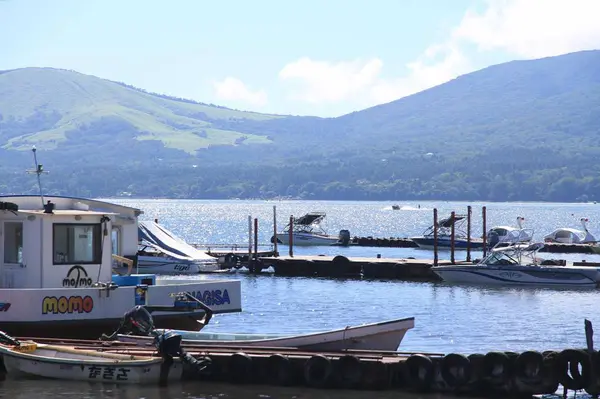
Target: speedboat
[
  {"x": 444, "y": 235},
  {"x": 572, "y": 236},
  {"x": 162, "y": 252},
  {"x": 384, "y": 336},
  {"x": 507, "y": 235},
  {"x": 307, "y": 230},
  {"x": 519, "y": 265}
]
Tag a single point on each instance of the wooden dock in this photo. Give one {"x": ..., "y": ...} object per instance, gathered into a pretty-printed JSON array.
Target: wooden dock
[{"x": 341, "y": 266}]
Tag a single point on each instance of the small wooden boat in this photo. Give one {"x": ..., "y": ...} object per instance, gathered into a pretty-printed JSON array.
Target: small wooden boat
[
  {"x": 67, "y": 363},
  {"x": 384, "y": 336}
]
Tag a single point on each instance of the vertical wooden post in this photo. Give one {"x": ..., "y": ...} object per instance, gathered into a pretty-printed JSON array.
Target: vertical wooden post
[
  {"x": 249, "y": 239},
  {"x": 291, "y": 236},
  {"x": 484, "y": 216},
  {"x": 453, "y": 218},
  {"x": 255, "y": 260},
  {"x": 469, "y": 233},
  {"x": 275, "y": 230},
  {"x": 435, "y": 248}
]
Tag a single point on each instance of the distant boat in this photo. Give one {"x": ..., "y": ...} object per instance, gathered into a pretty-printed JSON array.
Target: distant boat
[
  {"x": 572, "y": 236},
  {"x": 506, "y": 235},
  {"x": 307, "y": 230},
  {"x": 444, "y": 235}
]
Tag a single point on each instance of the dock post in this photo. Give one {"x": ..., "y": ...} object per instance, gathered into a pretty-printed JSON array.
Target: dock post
[
  {"x": 469, "y": 233},
  {"x": 435, "y": 248},
  {"x": 275, "y": 230},
  {"x": 291, "y": 236},
  {"x": 255, "y": 260},
  {"x": 484, "y": 216},
  {"x": 249, "y": 239},
  {"x": 452, "y": 231}
]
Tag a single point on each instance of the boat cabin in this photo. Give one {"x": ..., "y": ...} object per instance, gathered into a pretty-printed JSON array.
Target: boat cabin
[{"x": 62, "y": 242}]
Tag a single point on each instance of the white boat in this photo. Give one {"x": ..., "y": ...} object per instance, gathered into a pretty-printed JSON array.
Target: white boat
[
  {"x": 67, "y": 363},
  {"x": 56, "y": 270},
  {"x": 162, "y": 252},
  {"x": 507, "y": 235},
  {"x": 384, "y": 336},
  {"x": 519, "y": 265},
  {"x": 307, "y": 230},
  {"x": 572, "y": 236}
]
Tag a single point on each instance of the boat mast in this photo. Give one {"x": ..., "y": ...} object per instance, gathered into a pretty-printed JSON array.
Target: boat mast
[{"x": 39, "y": 169}]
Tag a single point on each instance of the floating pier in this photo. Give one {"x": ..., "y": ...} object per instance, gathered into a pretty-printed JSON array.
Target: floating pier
[
  {"x": 341, "y": 266},
  {"x": 493, "y": 374}
]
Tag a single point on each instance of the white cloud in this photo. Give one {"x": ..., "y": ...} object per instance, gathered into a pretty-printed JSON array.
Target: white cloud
[
  {"x": 233, "y": 89},
  {"x": 330, "y": 82},
  {"x": 523, "y": 28},
  {"x": 533, "y": 28}
]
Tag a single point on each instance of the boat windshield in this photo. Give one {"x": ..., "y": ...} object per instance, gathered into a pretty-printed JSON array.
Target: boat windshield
[{"x": 500, "y": 258}]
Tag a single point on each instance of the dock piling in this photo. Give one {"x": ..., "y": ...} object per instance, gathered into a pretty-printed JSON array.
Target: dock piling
[
  {"x": 435, "y": 238},
  {"x": 255, "y": 258},
  {"x": 291, "y": 236},
  {"x": 275, "y": 230},
  {"x": 249, "y": 238},
  {"x": 452, "y": 231},
  {"x": 469, "y": 210},
  {"x": 484, "y": 216}
]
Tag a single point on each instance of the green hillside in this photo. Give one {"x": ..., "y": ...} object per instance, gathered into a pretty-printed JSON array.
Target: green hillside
[
  {"x": 55, "y": 102},
  {"x": 523, "y": 130}
]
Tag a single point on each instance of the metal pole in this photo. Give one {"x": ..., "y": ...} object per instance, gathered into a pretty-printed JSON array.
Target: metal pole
[
  {"x": 255, "y": 240},
  {"x": 435, "y": 226},
  {"x": 275, "y": 230},
  {"x": 291, "y": 236},
  {"x": 249, "y": 238},
  {"x": 469, "y": 233},
  {"x": 484, "y": 215},
  {"x": 453, "y": 218}
]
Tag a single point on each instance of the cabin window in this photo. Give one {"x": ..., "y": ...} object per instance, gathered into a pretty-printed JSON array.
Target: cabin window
[
  {"x": 13, "y": 242},
  {"x": 77, "y": 243}
]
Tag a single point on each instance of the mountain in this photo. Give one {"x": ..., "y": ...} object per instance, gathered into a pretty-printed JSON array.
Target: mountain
[{"x": 523, "y": 130}]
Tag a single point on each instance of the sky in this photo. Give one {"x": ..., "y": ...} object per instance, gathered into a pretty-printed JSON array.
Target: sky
[{"x": 310, "y": 57}]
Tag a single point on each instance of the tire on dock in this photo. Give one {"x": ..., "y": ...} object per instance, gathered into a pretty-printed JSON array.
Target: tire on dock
[
  {"x": 349, "y": 372},
  {"x": 278, "y": 370},
  {"x": 455, "y": 370},
  {"x": 568, "y": 363},
  {"x": 318, "y": 371},
  {"x": 420, "y": 372},
  {"x": 240, "y": 368}
]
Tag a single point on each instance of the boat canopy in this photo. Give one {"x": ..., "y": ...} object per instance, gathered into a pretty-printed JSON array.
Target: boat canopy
[
  {"x": 310, "y": 218},
  {"x": 163, "y": 240}
]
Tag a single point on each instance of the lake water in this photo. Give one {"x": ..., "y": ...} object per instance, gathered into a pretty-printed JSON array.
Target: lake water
[{"x": 447, "y": 318}]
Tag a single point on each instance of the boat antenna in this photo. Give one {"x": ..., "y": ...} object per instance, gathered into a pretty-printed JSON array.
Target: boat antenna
[{"x": 39, "y": 169}]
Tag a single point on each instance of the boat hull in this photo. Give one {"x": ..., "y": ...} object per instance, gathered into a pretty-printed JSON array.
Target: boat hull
[
  {"x": 445, "y": 243},
  {"x": 166, "y": 265},
  {"x": 77, "y": 366},
  {"x": 306, "y": 239},
  {"x": 525, "y": 276},
  {"x": 383, "y": 336}
]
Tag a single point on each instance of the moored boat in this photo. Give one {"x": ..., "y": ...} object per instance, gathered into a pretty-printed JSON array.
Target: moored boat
[
  {"x": 385, "y": 336},
  {"x": 307, "y": 230},
  {"x": 519, "y": 265},
  {"x": 443, "y": 230}
]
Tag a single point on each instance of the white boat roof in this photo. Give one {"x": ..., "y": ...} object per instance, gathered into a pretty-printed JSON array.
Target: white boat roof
[
  {"x": 31, "y": 203},
  {"x": 66, "y": 212}
]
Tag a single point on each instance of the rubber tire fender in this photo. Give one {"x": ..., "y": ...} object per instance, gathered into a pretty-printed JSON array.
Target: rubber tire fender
[
  {"x": 240, "y": 368},
  {"x": 460, "y": 362},
  {"x": 527, "y": 361},
  {"x": 350, "y": 371},
  {"x": 414, "y": 365},
  {"x": 278, "y": 370},
  {"x": 318, "y": 371},
  {"x": 493, "y": 359},
  {"x": 568, "y": 361}
]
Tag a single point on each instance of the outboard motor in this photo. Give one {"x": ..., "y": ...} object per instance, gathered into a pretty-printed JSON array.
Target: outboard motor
[
  {"x": 136, "y": 321},
  {"x": 344, "y": 237},
  {"x": 168, "y": 345},
  {"x": 492, "y": 238}
]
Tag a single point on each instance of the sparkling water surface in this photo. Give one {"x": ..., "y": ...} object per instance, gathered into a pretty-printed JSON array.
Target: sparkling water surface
[{"x": 448, "y": 318}]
